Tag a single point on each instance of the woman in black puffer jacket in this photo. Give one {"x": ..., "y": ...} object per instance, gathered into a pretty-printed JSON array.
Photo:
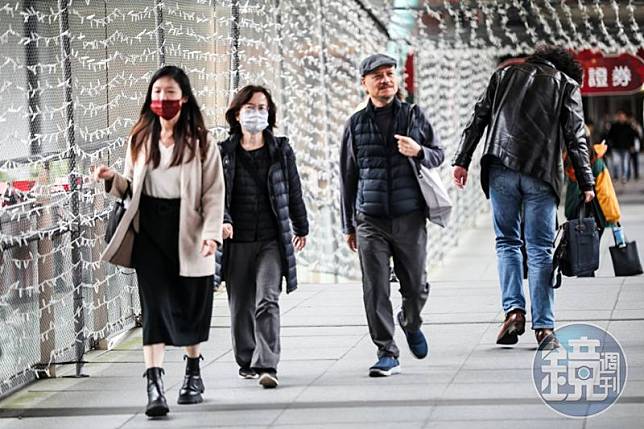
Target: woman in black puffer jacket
[{"x": 263, "y": 201}]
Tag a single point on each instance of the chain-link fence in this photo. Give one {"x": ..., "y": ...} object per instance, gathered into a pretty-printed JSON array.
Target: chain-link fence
[{"x": 73, "y": 76}]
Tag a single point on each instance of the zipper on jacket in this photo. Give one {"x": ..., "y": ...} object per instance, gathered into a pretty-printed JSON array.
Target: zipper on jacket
[
  {"x": 270, "y": 192},
  {"x": 387, "y": 163},
  {"x": 389, "y": 153}
]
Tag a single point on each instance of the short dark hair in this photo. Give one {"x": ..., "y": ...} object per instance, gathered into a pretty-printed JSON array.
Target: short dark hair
[
  {"x": 242, "y": 97},
  {"x": 562, "y": 59}
]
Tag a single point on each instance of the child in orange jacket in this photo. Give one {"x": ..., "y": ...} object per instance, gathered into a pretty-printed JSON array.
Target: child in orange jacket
[{"x": 610, "y": 214}]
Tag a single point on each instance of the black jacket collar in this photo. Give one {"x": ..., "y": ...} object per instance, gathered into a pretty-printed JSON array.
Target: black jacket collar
[
  {"x": 229, "y": 145},
  {"x": 371, "y": 109},
  {"x": 539, "y": 60}
]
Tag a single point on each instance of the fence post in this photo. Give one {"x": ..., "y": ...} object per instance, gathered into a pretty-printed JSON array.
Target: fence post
[
  {"x": 234, "y": 34},
  {"x": 46, "y": 268},
  {"x": 336, "y": 243},
  {"x": 280, "y": 49},
  {"x": 46, "y": 272},
  {"x": 77, "y": 268},
  {"x": 99, "y": 293},
  {"x": 158, "y": 20},
  {"x": 30, "y": 26}
]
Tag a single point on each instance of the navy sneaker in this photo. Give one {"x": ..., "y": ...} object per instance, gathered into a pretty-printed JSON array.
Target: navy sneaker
[
  {"x": 415, "y": 340},
  {"x": 386, "y": 366}
]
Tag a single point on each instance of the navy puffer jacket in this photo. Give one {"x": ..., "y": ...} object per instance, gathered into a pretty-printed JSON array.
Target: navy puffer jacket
[{"x": 376, "y": 179}]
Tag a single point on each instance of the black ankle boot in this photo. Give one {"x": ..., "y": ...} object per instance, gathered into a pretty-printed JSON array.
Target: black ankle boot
[
  {"x": 157, "y": 404},
  {"x": 192, "y": 388}
]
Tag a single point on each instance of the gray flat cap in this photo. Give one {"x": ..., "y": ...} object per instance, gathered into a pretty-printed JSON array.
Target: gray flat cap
[{"x": 372, "y": 62}]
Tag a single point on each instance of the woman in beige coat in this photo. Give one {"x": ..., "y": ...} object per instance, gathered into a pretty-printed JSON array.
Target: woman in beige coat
[{"x": 171, "y": 228}]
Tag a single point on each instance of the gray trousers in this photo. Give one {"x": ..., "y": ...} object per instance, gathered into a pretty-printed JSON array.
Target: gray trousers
[
  {"x": 253, "y": 283},
  {"x": 403, "y": 238}
]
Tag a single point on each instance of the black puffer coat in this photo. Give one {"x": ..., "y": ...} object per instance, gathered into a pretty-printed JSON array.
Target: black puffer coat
[{"x": 285, "y": 191}]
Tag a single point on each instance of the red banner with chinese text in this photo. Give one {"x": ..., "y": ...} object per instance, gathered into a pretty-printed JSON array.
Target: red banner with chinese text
[
  {"x": 611, "y": 75},
  {"x": 409, "y": 74}
]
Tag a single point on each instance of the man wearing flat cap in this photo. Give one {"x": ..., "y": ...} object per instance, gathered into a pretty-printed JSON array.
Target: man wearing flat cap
[{"x": 383, "y": 210}]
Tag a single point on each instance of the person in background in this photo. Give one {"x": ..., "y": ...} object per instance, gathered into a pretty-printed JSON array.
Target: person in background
[
  {"x": 522, "y": 173},
  {"x": 609, "y": 211},
  {"x": 635, "y": 150},
  {"x": 621, "y": 141}
]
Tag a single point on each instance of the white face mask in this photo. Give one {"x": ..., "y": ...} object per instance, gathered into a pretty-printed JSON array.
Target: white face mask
[{"x": 253, "y": 121}]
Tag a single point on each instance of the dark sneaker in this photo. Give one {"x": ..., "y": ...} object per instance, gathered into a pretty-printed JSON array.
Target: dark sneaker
[
  {"x": 248, "y": 374},
  {"x": 386, "y": 366},
  {"x": 268, "y": 380},
  {"x": 415, "y": 340}
]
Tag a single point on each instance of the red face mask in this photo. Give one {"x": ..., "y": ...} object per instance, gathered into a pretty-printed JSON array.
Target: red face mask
[{"x": 167, "y": 109}]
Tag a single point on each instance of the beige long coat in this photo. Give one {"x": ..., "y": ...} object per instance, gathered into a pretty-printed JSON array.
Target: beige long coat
[{"x": 200, "y": 217}]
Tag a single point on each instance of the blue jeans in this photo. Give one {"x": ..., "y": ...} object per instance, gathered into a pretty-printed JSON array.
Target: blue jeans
[
  {"x": 511, "y": 194},
  {"x": 621, "y": 160}
]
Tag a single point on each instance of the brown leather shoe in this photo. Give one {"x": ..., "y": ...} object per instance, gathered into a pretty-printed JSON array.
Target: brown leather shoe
[
  {"x": 547, "y": 338},
  {"x": 513, "y": 326}
]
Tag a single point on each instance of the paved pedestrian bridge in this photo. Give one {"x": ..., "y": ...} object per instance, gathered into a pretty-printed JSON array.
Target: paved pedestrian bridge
[
  {"x": 467, "y": 381},
  {"x": 73, "y": 76}
]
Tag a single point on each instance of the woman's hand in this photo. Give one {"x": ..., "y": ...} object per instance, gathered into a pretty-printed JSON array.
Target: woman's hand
[
  {"x": 299, "y": 242},
  {"x": 103, "y": 172},
  {"x": 209, "y": 248},
  {"x": 227, "y": 231}
]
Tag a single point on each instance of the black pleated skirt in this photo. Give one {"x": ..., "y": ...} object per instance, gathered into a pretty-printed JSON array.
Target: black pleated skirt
[{"x": 176, "y": 310}]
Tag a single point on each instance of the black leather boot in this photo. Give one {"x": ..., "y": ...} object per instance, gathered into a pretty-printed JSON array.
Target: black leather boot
[
  {"x": 157, "y": 404},
  {"x": 192, "y": 388}
]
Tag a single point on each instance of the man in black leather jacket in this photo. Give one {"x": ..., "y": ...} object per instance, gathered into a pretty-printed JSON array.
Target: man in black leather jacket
[{"x": 531, "y": 110}]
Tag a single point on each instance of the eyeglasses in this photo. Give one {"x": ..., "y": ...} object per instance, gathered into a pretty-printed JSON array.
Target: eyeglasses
[{"x": 253, "y": 108}]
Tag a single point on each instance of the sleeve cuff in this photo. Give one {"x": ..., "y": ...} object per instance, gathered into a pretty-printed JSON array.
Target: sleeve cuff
[{"x": 461, "y": 162}]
